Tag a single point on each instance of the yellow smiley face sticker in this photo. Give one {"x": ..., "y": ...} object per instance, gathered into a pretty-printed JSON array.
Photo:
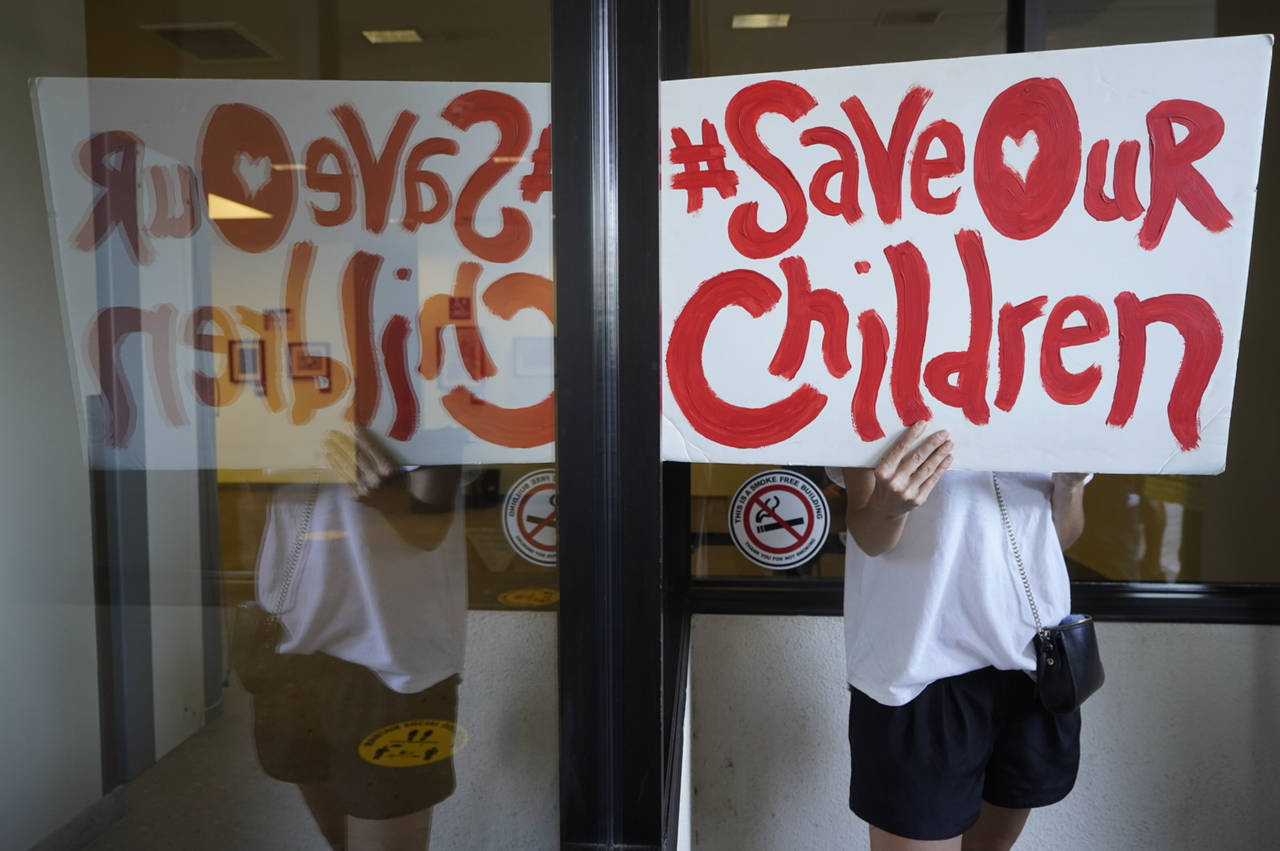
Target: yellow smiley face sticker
[{"x": 413, "y": 743}]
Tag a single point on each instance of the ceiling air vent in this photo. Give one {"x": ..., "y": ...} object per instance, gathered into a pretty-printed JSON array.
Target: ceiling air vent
[
  {"x": 905, "y": 18},
  {"x": 214, "y": 42}
]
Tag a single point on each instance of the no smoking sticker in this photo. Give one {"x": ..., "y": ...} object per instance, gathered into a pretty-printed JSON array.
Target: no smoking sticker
[
  {"x": 529, "y": 516},
  {"x": 779, "y": 519}
]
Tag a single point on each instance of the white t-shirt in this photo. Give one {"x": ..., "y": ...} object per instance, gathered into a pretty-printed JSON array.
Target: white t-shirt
[
  {"x": 948, "y": 599},
  {"x": 361, "y": 593}
]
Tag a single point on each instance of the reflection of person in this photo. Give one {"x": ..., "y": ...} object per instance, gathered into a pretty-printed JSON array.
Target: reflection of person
[
  {"x": 1170, "y": 507},
  {"x": 370, "y": 585},
  {"x": 1143, "y": 528},
  {"x": 1112, "y": 547},
  {"x": 949, "y": 743}
]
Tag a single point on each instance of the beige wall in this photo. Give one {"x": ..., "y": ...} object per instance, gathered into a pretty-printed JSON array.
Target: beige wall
[
  {"x": 48, "y": 658},
  {"x": 1179, "y": 749}
]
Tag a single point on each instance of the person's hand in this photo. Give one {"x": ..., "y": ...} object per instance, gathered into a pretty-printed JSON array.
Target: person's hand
[
  {"x": 1067, "y": 502},
  {"x": 1070, "y": 480},
  {"x": 359, "y": 459},
  {"x": 882, "y": 497},
  {"x": 909, "y": 470}
]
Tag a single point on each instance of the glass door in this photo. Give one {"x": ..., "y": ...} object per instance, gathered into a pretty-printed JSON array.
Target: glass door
[{"x": 284, "y": 510}]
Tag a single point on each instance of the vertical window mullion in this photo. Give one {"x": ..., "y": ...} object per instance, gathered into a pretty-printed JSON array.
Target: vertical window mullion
[
  {"x": 604, "y": 101},
  {"x": 1027, "y": 22}
]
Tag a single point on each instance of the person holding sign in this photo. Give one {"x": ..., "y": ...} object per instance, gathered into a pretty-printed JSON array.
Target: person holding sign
[
  {"x": 950, "y": 746},
  {"x": 356, "y": 701}
]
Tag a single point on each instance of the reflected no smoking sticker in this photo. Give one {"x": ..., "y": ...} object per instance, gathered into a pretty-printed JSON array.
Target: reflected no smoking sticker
[
  {"x": 779, "y": 519},
  {"x": 529, "y": 516},
  {"x": 520, "y": 598}
]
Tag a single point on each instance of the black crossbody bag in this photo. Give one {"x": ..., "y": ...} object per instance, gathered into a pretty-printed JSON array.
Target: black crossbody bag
[{"x": 1068, "y": 665}]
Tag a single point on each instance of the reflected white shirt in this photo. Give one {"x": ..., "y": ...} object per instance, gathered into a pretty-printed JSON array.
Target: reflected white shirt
[{"x": 361, "y": 593}]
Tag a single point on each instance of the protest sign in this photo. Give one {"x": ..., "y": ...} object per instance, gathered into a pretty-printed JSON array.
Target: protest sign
[
  {"x": 1044, "y": 253},
  {"x": 295, "y": 257}
]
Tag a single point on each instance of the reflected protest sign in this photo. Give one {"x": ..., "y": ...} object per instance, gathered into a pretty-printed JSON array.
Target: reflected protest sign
[
  {"x": 1045, "y": 253},
  {"x": 246, "y": 265}
]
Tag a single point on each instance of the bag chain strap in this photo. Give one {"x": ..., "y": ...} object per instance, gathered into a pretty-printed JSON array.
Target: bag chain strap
[
  {"x": 299, "y": 540},
  {"x": 1017, "y": 557}
]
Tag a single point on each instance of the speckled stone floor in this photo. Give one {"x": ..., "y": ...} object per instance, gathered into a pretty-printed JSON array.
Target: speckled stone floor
[{"x": 210, "y": 793}]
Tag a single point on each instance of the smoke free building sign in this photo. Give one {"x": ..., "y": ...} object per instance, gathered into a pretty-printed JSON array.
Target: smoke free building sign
[{"x": 1044, "y": 253}]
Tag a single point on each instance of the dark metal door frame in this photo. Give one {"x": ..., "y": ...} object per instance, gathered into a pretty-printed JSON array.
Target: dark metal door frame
[
  {"x": 623, "y": 544},
  {"x": 623, "y": 611}
]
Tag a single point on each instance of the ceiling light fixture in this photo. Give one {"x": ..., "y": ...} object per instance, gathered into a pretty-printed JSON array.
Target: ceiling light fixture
[
  {"x": 392, "y": 36},
  {"x": 224, "y": 209},
  {"x": 774, "y": 21}
]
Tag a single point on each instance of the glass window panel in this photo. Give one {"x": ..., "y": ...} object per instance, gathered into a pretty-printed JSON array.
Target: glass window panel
[
  {"x": 1188, "y": 528},
  {"x": 818, "y": 34},
  {"x": 281, "y": 433},
  {"x": 1093, "y": 23},
  {"x": 825, "y": 34},
  {"x": 1139, "y": 527}
]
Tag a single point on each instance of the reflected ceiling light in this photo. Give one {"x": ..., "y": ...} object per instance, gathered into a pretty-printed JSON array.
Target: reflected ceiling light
[
  {"x": 288, "y": 167},
  {"x": 225, "y": 209},
  {"x": 392, "y": 36},
  {"x": 761, "y": 22}
]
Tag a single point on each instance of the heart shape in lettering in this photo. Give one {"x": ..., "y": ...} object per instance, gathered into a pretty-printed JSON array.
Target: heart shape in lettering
[
  {"x": 252, "y": 173},
  {"x": 1019, "y": 154}
]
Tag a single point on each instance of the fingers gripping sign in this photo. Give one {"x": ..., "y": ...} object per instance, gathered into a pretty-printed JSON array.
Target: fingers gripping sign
[
  {"x": 359, "y": 460},
  {"x": 881, "y": 498},
  {"x": 909, "y": 470}
]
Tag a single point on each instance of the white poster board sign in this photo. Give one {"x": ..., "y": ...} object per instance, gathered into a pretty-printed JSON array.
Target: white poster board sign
[
  {"x": 1044, "y": 253},
  {"x": 287, "y": 258}
]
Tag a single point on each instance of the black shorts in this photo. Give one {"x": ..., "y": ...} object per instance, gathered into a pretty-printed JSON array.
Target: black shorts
[
  {"x": 922, "y": 770},
  {"x": 385, "y": 754}
]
